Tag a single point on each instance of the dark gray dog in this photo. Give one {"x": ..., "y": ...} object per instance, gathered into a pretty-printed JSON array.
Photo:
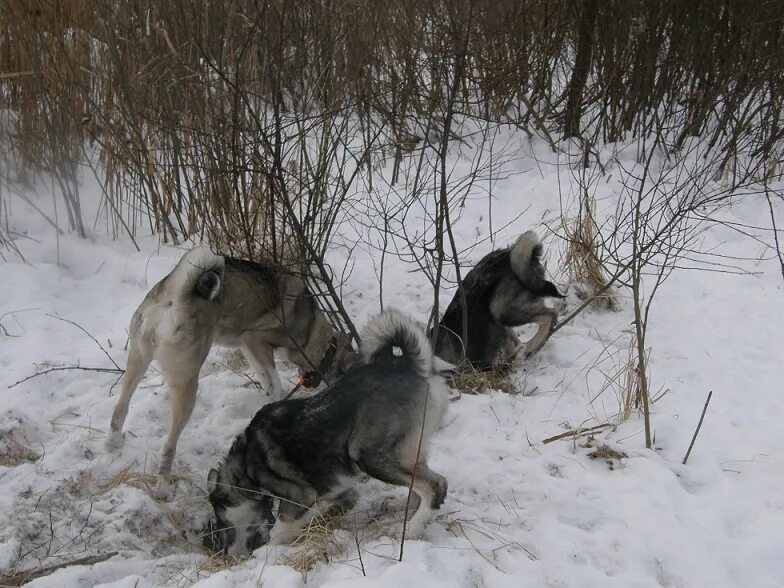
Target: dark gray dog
[
  {"x": 310, "y": 452},
  {"x": 506, "y": 289},
  {"x": 210, "y": 299}
]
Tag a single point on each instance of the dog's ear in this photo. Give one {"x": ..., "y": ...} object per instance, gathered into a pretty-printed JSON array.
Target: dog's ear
[
  {"x": 443, "y": 367},
  {"x": 212, "y": 480},
  {"x": 549, "y": 289}
]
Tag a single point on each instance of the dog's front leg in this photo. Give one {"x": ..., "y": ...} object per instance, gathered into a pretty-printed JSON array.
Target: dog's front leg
[
  {"x": 292, "y": 518},
  {"x": 546, "y": 322},
  {"x": 262, "y": 358}
]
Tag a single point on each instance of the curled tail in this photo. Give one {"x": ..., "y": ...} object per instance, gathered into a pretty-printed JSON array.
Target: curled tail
[
  {"x": 393, "y": 330},
  {"x": 525, "y": 257},
  {"x": 199, "y": 273}
]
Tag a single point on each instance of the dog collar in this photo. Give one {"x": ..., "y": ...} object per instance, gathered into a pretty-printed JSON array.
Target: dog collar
[{"x": 313, "y": 378}]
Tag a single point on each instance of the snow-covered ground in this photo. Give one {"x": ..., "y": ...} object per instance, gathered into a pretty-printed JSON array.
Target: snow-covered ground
[{"x": 518, "y": 513}]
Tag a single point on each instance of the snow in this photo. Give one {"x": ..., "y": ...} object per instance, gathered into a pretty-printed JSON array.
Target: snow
[{"x": 519, "y": 512}]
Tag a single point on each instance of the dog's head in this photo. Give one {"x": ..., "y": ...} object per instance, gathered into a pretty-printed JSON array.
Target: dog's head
[
  {"x": 338, "y": 359},
  {"x": 243, "y": 517}
]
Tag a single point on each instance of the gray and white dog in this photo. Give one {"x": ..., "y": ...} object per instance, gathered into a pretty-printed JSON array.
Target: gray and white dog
[
  {"x": 506, "y": 289},
  {"x": 210, "y": 299},
  {"x": 307, "y": 453}
]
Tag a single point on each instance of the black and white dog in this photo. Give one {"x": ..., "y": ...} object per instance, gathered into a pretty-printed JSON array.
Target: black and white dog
[
  {"x": 506, "y": 289},
  {"x": 307, "y": 453}
]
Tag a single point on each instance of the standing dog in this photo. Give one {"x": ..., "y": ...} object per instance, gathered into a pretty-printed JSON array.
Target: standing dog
[
  {"x": 210, "y": 299},
  {"x": 308, "y": 452},
  {"x": 506, "y": 289}
]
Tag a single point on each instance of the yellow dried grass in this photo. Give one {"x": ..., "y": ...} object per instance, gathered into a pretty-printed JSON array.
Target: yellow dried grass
[
  {"x": 470, "y": 380},
  {"x": 316, "y": 544},
  {"x": 582, "y": 260},
  {"x": 14, "y": 453}
]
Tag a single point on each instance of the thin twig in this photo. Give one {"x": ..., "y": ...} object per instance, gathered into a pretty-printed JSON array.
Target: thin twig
[
  {"x": 69, "y": 367},
  {"x": 697, "y": 430},
  {"x": 775, "y": 230},
  {"x": 576, "y": 432},
  {"x": 590, "y": 299},
  {"x": 359, "y": 550},
  {"x": 86, "y": 332},
  {"x": 30, "y": 575},
  {"x": 413, "y": 477},
  {"x": 12, "y": 314}
]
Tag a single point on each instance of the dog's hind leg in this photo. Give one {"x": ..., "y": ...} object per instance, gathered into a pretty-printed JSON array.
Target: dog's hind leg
[
  {"x": 183, "y": 397},
  {"x": 261, "y": 357},
  {"x": 428, "y": 485},
  {"x": 138, "y": 360},
  {"x": 431, "y": 488}
]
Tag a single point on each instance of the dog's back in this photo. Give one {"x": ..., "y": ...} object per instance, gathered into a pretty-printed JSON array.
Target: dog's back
[
  {"x": 375, "y": 406},
  {"x": 376, "y": 419},
  {"x": 505, "y": 289},
  {"x": 485, "y": 335}
]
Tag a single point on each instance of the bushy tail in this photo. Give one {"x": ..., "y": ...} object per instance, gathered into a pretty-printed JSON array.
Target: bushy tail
[
  {"x": 390, "y": 331},
  {"x": 525, "y": 257},
  {"x": 199, "y": 273}
]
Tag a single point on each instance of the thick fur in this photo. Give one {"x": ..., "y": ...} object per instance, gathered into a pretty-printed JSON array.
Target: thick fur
[
  {"x": 506, "y": 289},
  {"x": 309, "y": 452},
  {"x": 210, "y": 299}
]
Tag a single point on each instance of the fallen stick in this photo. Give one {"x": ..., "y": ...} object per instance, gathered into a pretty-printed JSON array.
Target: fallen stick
[
  {"x": 575, "y": 433},
  {"x": 30, "y": 575},
  {"x": 697, "y": 430}
]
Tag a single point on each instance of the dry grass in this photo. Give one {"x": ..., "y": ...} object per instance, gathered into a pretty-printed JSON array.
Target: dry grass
[
  {"x": 127, "y": 477},
  {"x": 470, "y": 380},
  {"x": 175, "y": 93},
  {"x": 582, "y": 260},
  {"x": 624, "y": 380},
  {"x": 215, "y": 562},
  {"x": 71, "y": 517},
  {"x": 85, "y": 483},
  {"x": 630, "y": 382},
  {"x": 316, "y": 544},
  {"x": 14, "y": 453}
]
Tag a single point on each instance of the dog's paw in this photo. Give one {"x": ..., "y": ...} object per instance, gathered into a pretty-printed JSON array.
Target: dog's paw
[
  {"x": 529, "y": 351},
  {"x": 164, "y": 490},
  {"x": 415, "y": 529},
  {"x": 114, "y": 440},
  {"x": 346, "y": 501},
  {"x": 439, "y": 492},
  {"x": 283, "y": 532},
  {"x": 238, "y": 552},
  {"x": 281, "y": 538}
]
